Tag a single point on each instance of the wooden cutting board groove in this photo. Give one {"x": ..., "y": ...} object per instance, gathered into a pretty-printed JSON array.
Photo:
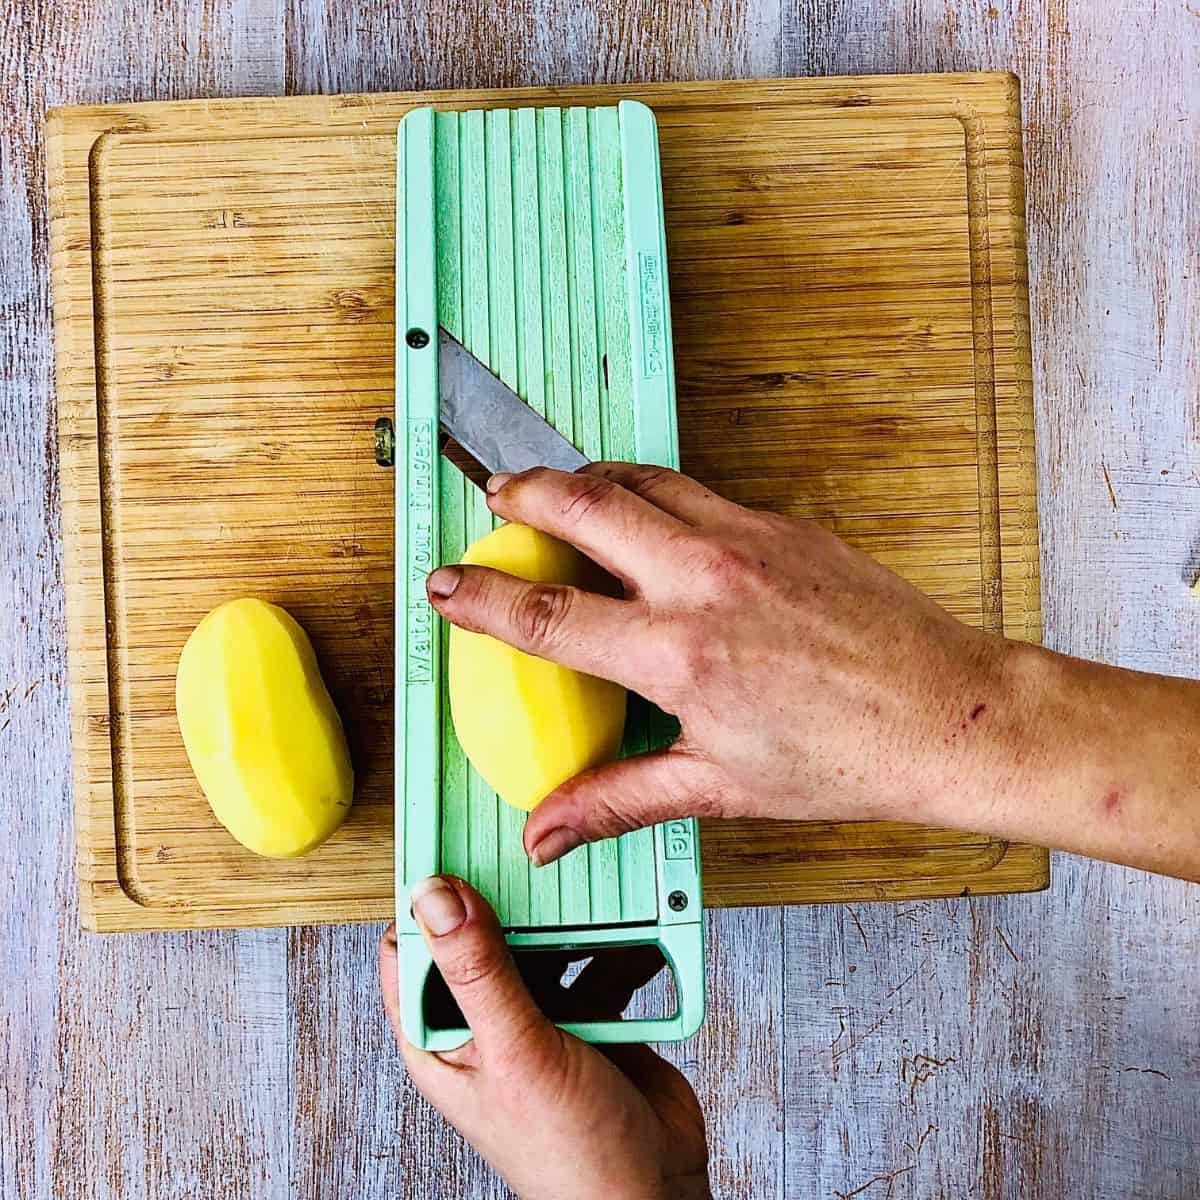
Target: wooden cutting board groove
[{"x": 847, "y": 268}]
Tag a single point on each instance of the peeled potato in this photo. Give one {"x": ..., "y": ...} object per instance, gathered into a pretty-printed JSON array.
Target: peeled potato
[
  {"x": 260, "y": 730},
  {"x": 526, "y": 724}
]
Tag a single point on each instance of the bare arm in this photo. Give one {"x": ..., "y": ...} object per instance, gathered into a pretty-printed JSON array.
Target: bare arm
[{"x": 812, "y": 682}]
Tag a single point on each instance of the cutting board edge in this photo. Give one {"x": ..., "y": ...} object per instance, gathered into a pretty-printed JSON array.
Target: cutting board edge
[
  {"x": 1023, "y": 869},
  {"x": 67, "y": 120},
  {"x": 71, "y": 258}
]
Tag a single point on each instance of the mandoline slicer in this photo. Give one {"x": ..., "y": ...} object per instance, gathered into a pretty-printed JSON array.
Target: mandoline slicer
[{"x": 534, "y": 236}]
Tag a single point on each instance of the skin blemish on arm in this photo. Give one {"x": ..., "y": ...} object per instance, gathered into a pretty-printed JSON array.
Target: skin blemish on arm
[
  {"x": 1112, "y": 802},
  {"x": 970, "y": 717}
]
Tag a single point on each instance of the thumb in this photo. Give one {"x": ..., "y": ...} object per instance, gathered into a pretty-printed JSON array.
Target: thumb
[
  {"x": 469, "y": 950},
  {"x": 615, "y": 799}
]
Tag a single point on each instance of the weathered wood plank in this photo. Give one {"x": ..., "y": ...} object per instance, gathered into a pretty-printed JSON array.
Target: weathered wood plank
[
  {"x": 146, "y": 1066},
  {"x": 172, "y": 1067},
  {"x": 1042, "y": 1046},
  {"x": 357, "y": 1125},
  {"x": 735, "y": 1063},
  {"x": 339, "y": 46}
]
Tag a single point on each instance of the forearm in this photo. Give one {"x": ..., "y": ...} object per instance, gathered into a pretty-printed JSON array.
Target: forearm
[{"x": 1080, "y": 757}]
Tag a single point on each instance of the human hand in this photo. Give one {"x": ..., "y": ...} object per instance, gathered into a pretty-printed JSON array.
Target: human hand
[
  {"x": 555, "y": 1116},
  {"x": 809, "y": 680}
]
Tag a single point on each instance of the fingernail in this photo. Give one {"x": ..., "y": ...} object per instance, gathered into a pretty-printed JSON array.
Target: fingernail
[
  {"x": 444, "y": 581},
  {"x": 437, "y": 906},
  {"x": 496, "y": 482},
  {"x": 554, "y": 845}
]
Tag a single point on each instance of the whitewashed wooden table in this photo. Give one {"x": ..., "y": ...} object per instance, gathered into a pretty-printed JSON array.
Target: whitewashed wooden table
[{"x": 1039, "y": 1046}]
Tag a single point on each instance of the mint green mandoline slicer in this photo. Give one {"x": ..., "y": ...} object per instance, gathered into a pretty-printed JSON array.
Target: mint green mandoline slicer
[{"x": 535, "y": 237}]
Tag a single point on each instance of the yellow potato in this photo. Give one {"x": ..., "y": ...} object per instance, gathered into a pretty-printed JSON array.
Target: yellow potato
[
  {"x": 260, "y": 729},
  {"x": 526, "y": 724}
]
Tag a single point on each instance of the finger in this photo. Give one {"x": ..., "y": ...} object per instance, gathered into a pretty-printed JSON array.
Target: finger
[
  {"x": 679, "y": 495},
  {"x": 468, "y": 949},
  {"x": 389, "y": 979},
  {"x": 628, "y": 536},
  {"x": 664, "y": 1085},
  {"x": 440, "y": 1077},
  {"x": 615, "y": 799},
  {"x": 649, "y": 1073},
  {"x": 579, "y": 629}
]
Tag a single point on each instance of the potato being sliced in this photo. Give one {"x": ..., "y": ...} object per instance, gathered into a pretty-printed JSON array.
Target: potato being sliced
[{"x": 526, "y": 724}]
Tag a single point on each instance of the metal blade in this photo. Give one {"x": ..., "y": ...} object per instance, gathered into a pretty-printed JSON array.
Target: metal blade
[{"x": 490, "y": 421}]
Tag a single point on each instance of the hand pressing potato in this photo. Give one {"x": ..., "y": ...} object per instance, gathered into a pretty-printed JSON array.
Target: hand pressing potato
[{"x": 811, "y": 682}]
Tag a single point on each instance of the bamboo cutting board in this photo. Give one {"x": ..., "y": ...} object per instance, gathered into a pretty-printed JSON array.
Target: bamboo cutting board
[{"x": 847, "y": 271}]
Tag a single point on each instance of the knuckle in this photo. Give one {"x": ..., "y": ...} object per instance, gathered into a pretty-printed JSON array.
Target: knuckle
[
  {"x": 527, "y": 488},
  {"x": 475, "y": 600},
  {"x": 475, "y": 589},
  {"x": 714, "y": 565},
  {"x": 540, "y": 611},
  {"x": 533, "y": 477},
  {"x": 583, "y": 494},
  {"x": 777, "y": 523},
  {"x": 689, "y": 549},
  {"x": 648, "y": 481},
  {"x": 610, "y": 820},
  {"x": 723, "y": 569},
  {"x": 775, "y": 529},
  {"x": 697, "y": 660},
  {"x": 685, "y": 661},
  {"x": 471, "y": 966}
]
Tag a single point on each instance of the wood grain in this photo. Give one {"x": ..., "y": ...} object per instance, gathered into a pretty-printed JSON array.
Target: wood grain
[
  {"x": 340, "y": 46},
  {"x": 1032, "y": 1048},
  {"x": 226, "y": 345}
]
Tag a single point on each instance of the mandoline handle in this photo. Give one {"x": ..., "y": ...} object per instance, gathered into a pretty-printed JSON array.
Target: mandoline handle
[{"x": 682, "y": 946}]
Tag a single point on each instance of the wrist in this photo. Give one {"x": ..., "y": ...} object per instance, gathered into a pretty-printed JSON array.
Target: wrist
[
  {"x": 1008, "y": 736},
  {"x": 1037, "y": 733},
  {"x": 1078, "y": 756},
  {"x": 1111, "y": 766}
]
